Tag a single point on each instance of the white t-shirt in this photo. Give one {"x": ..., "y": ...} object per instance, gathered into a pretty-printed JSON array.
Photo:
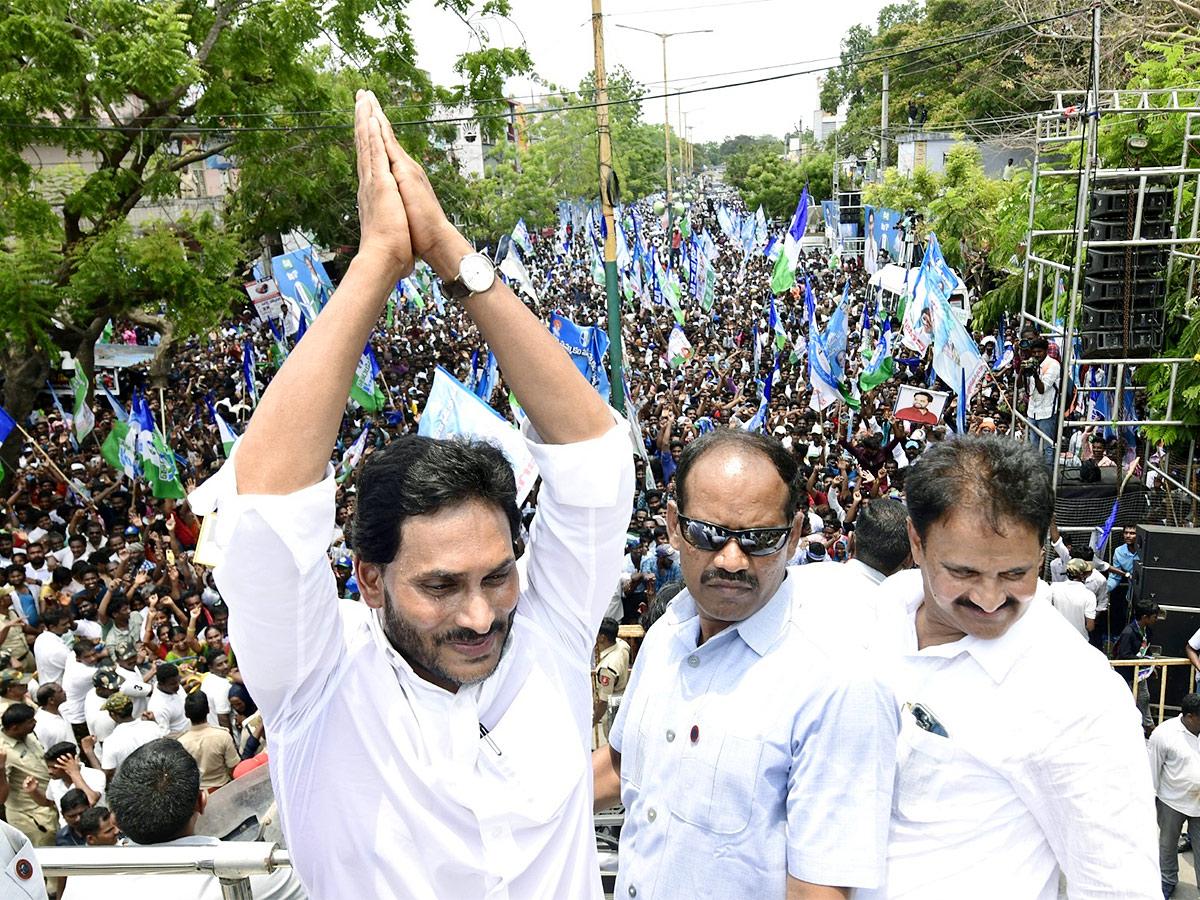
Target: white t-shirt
[
  {"x": 126, "y": 738},
  {"x": 51, "y": 655},
  {"x": 51, "y": 729},
  {"x": 168, "y": 711},
  {"x": 1075, "y": 601},
  {"x": 76, "y": 681},
  {"x": 217, "y": 688},
  {"x": 56, "y": 789}
]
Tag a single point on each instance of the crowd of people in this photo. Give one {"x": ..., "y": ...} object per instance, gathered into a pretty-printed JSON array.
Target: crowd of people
[{"x": 118, "y": 640}]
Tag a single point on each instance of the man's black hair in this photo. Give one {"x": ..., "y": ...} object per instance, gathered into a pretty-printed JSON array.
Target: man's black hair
[
  {"x": 923, "y": 393},
  {"x": 1190, "y": 705},
  {"x": 72, "y": 799},
  {"x": 881, "y": 535},
  {"x": 195, "y": 707},
  {"x": 996, "y": 477},
  {"x": 1143, "y": 608},
  {"x": 17, "y": 714},
  {"x": 1039, "y": 343},
  {"x": 747, "y": 442},
  {"x": 62, "y": 748},
  {"x": 608, "y": 628},
  {"x": 154, "y": 792},
  {"x": 89, "y": 822},
  {"x": 44, "y": 693},
  {"x": 167, "y": 671},
  {"x": 212, "y": 656},
  {"x": 415, "y": 475}
]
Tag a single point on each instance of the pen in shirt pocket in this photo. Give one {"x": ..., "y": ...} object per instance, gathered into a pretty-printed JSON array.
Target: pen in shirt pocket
[
  {"x": 486, "y": 736},
  {"x": 926, "y": 720}
]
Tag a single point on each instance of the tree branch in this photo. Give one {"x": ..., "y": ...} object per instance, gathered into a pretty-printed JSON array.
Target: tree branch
[{"x": 197, "y": 155}]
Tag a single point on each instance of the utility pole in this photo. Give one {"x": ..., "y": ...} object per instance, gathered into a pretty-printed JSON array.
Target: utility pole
[
  {"x": 608, "y": 184},
  {"x": 679, "y": 130},
  {"x": 883, "y": 126},
  {"x": 666, "y": 99}
]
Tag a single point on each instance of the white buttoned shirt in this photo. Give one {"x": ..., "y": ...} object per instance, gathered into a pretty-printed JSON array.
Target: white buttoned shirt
[
  {"x": 1175, "y": 766},
  {"x": 1044, "y": 767},
  {"x": 755, "y": 755},
  {"x": 385, "y": 786}
]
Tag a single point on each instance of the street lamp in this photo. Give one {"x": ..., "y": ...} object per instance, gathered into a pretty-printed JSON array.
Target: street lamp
[{"x": 666, "y": 102}]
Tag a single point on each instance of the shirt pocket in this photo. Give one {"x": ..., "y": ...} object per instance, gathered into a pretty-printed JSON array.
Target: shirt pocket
[
  {"x": 716, "y": 784},
  {"x": 925, "y": 768}
]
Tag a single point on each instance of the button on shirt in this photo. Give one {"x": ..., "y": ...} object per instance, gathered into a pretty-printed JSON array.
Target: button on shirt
[
  {"x": 750, "y": 757},
  {"x": 385, "y": 786},
  {"x": 1043, "y": 767},
  {"x": 1175, "y": 766}
]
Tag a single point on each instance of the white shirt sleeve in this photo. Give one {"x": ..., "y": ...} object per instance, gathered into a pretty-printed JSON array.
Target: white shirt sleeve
[
  {"x": 1194, "y": 641},
  {"x": 1060, "y": 547},
  {"x": 577, "y": 540}
]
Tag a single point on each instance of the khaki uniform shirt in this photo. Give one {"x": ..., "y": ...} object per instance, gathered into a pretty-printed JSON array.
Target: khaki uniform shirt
[
  {"x": 14, "y": 641},
  {"x": 214, "y": 752},
  {"x": 27, "y": 758},
  {"x": 612, "y": 671}
]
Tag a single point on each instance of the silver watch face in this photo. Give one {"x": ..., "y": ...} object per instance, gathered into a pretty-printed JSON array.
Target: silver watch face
[{"x": 476, "y": 272}]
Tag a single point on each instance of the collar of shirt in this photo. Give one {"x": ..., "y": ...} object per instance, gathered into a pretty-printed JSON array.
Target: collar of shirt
[
  {"x": 996, "y": 656},
  {"x": 866, "y": 571},
  {"x": 759, "y": 631}
]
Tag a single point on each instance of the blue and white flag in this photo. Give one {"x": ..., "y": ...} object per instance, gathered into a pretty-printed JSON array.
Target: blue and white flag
[
  {"x": 485, "y": 385},
  {"x": 520, "y": 234},
  {"x": 248, "y": 372},
  {"x": 453, "y": 410},
  {"x": 824, "y": 385},
  {"x": 1100, "y": 535},
  {"x": 586, "y": 346},
  {"x": 353, "y": 454},
  {"x": 961, "y": 412},
  {"x": 837, "y": 335},
  {"x": 758, "y": 421},
  {"x": 7, "y": 424},
  {"x": 117, "y": 408}
]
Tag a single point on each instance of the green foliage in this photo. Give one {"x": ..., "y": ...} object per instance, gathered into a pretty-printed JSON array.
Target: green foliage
[
  {"x": 158, "y": 70},
  {"x": 561, "y": 161}
]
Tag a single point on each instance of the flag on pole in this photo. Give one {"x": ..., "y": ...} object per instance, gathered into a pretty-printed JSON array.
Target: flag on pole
[
  {"x": 513, "y": 268},
  {"x": 7, "y": 425},
  {"x": 961, "y": 413},
  {"x": 824, "y": 385},
  {"x": 881, "y": 366},
  {"x": 226, "y": 433},
  {"x": 485, "y": 385},
  {"x": 84, "y": 420},
  {"x": 1100, "y": 535},
  {"x": 155, "y": 455},
  {"x": 120, "y": 448},
  {"x": 758, "y": 421},
  {"x": 365, "y": 390},
  {"x": 117, "y": 408},
  {"x": 776, "y": 327},
  {"x": 837, "y": 335},
  {"x": 520, "y": 234},
  {"x": 248, "y": 372},
  {"x": 783, "y": 277},
  {"x": 62, "y": 413},
  {"x": 679, "y": 349},
  {"x": 352, "y": 455}
]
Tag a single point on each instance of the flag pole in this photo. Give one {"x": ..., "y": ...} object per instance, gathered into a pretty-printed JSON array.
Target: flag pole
[{"x": 46, "y": 456}]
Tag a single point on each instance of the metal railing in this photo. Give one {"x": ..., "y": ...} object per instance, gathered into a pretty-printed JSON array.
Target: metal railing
[{"x": 231, "y": 862}]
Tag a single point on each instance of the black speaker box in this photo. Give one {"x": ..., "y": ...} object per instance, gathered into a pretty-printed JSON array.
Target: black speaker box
[
  {"x": 1110, "y": 202},
  {"x": 1108, "y": 475},
  {"x": 1111, "y": 344},
  {"x": 1172, "y": 633},
  {"x": 1167, "y": 587},
  {"x": 1118, "y": 230},
  {"x": 1112, "y": 290},
  {"x": 1108, "y": 318},
  {"x": 1170, "y": 547},
  {"x": 1145, "y": 261}
]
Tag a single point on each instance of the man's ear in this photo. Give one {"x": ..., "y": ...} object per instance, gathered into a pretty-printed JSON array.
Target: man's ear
[
  {"x": 370, "y": 582},
  {"x": 917, "y": 549},
  {"x": 673, "y": 525}
]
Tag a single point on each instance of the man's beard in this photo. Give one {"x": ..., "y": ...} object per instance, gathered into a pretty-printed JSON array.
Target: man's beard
[{"x": 408, "y": 642}]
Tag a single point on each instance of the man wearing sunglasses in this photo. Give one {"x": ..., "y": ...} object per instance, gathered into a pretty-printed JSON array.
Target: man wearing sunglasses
[{"x": 751, "y": 760}]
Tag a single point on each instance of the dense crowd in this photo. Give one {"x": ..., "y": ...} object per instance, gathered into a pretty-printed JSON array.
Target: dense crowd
[{"x": 114, "y": 634}]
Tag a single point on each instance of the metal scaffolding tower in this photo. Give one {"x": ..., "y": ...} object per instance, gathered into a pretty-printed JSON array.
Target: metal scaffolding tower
[{"x": 1055, "y": 259}]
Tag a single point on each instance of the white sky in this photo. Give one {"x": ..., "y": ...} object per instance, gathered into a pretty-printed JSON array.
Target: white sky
[{"x": 750, "y": 34}]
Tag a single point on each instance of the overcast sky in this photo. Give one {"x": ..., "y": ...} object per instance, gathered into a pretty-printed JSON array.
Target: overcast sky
[{"x": 786, "y": 35}]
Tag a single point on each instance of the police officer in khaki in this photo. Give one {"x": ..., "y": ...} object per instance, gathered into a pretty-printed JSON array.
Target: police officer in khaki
[
  {"x": 22, "y": 790},
  {"x": 14, "y": 688},
  {"x": 612, "y": 674}
]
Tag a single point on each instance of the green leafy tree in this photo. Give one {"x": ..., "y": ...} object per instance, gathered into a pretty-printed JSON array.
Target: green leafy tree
[{"x": 126, "y": 96}]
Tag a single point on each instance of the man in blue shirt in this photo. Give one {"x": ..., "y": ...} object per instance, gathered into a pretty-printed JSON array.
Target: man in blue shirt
[
  {"x": 751, "y": 761},
  {"x": 1119, "y": 577},
  {"x": 661, "y": 567}
]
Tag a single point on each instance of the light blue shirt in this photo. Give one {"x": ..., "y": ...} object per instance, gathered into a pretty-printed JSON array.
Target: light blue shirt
[
  {"x": 790, "y": 771},
  {"x": 1123, "y": 559}
]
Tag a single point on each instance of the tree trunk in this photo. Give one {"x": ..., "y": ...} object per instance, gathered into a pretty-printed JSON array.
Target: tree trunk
[
  {"x": 85, "y": 353},
  {"x": 160, "y": 365},
  {"x": 26, "y": 368}
]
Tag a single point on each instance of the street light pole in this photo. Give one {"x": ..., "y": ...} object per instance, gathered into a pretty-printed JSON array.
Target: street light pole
[{"x": 666, "y": 100}]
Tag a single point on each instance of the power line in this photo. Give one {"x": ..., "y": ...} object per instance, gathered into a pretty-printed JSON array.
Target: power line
[{"x": 225, "y": 130}]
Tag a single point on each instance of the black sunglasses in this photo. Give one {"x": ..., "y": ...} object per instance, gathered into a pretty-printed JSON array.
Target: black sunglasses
[{"x": 753, "y": 541}]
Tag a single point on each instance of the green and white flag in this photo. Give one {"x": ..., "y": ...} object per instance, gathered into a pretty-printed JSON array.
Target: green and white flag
[
  {"x": 670, "y": 290},
  {"x": 365, "y": 390},
  {"x": 84, "y": 420},
  {"x": 120, "y": 448},
  {"x": 679, "y": 349},
  {"x": 158, "y": 465},
  {"x": 783, "y": 277},
  {"x": 710, "y": 286},
  {"x": 227, "y": 434}
]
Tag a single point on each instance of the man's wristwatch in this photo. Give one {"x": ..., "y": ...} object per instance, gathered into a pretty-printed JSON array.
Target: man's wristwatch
[{"x": 475, "y": 275}]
